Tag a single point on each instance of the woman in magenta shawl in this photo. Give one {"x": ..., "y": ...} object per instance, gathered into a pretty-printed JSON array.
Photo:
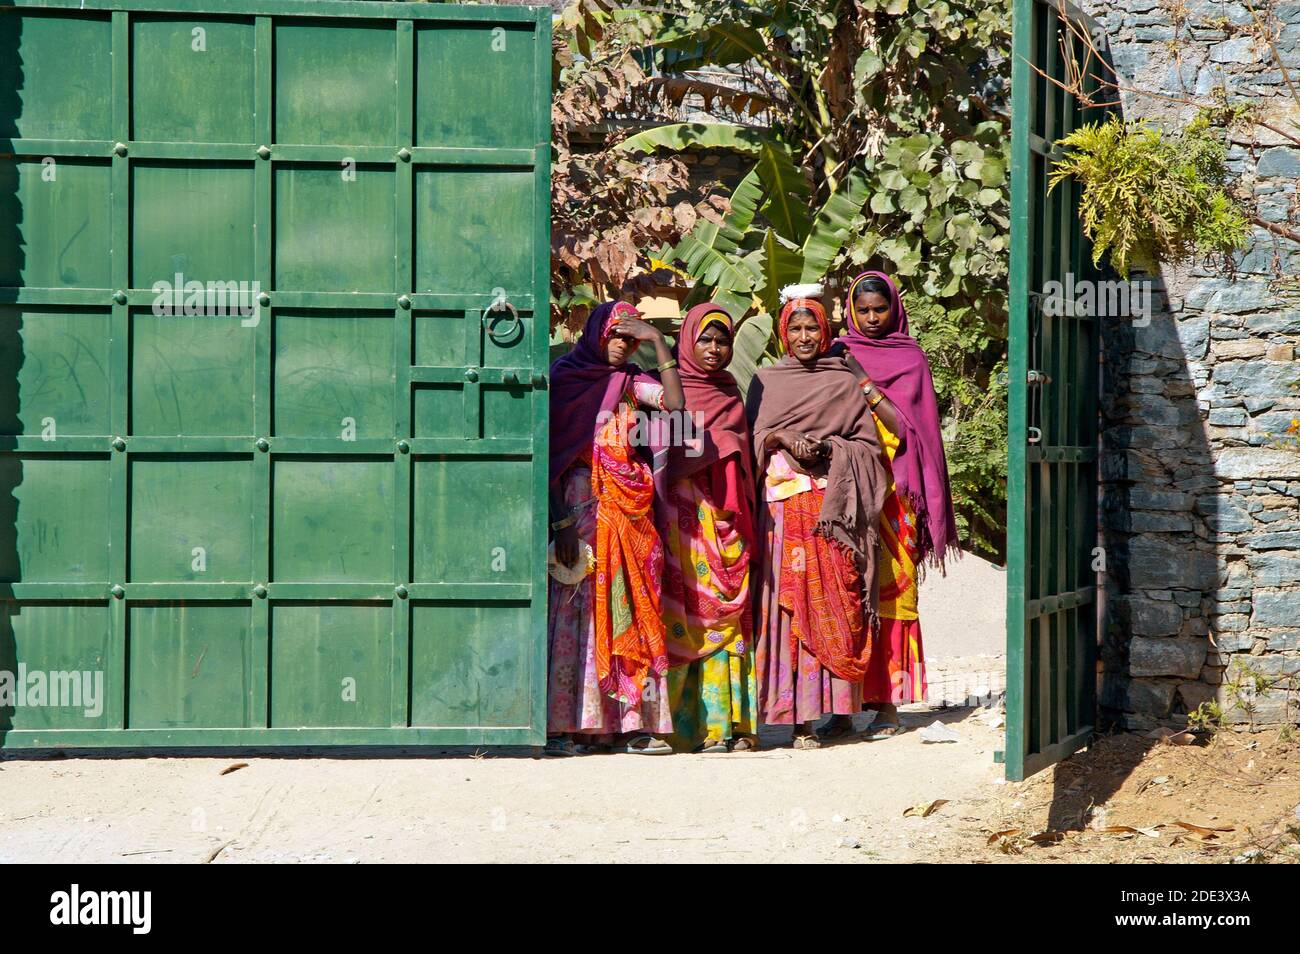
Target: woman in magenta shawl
[
  {"x": 708, "y": 547},
  {"x": 917, "y": 525},
  {"x": 607, "y": 661}
]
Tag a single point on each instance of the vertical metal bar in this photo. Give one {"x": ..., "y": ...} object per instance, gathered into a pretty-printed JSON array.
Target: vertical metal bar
[
  {"x": 119, "y": 372},
  {"x": 1051, "y": 66},
  {"x": 1017, "y": 369},
  {"x": 1036, "y": 23},
  {"x": 540, "y": 361},
  {"x": 260, "y": 673},
  {"x": 403, "y": 358}
]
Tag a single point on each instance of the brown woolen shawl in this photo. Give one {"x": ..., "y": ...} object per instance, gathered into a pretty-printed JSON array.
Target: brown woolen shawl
[{"x": 824, "y": 399}]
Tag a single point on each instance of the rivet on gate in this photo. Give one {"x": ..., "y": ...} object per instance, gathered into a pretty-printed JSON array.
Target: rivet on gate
[
  {"x": 259, "y": 591},
  {"x": 120, "y": 148},
  {"x": 401, "y": 592},
  {"x": 263, "y": 299},
  {"x": 404, "y": 301},
  {"x": 404, "y": 154},
  {"x": 403, "y": 447},
  {"x": 471, "y": 374},
  {"x": 119, "y": 444},
  {"x": 264, "y": 152},
  {"x": 263, "y": 444},
  {"x": 119, "y": 296},
  {"x": 117, "y": 591}
]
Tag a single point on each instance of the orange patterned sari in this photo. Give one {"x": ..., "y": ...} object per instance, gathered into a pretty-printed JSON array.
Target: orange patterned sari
[
  {"x": 629, "y": 566},
  {"x": 822, "y": 590}
]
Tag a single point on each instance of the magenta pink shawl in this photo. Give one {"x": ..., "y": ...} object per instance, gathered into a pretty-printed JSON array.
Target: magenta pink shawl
[{"x": 900, "y": 369}]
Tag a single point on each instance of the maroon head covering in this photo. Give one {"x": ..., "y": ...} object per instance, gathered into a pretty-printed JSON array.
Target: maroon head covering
[
  {"x": 899, "y": 368},
  {"x": 584, "y": 383},
  {"x": 714, "y": 401}
]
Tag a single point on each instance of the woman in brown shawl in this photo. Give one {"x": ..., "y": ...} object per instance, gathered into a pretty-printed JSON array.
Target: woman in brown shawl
[{"x": 821, "y": 488}]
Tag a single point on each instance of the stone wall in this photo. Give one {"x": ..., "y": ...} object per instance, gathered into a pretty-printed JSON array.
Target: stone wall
[{"x": 1200, "y": 505}]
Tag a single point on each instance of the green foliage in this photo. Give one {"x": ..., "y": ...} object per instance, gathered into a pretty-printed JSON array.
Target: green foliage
[
  {"x": 751, "y": 350},
  {"x": 1205, "y": 718},
  {"x": 966, "y": 348},
  {"x": 738, "y": 260},
  {"x": 939, "y": 213},
  {"x": 1152, "y": 196},
  {"x": 885, "y": 147}
]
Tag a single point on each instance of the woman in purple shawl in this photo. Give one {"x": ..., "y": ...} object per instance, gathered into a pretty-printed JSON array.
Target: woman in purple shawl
[
  {"x": 608, "y": 664},
  {"x": 917, "y": 525}
]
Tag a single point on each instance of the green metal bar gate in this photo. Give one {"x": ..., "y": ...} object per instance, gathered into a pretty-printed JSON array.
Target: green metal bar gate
[
  {"x": 321, "y": 522},
  {"x": 1052, "y": 419}
]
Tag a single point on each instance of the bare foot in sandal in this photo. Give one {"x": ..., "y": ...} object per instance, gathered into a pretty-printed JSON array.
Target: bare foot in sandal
[
  {"x": 805, "y": 737},
  {"x": 886, "y": 723},
  {"x": 643, "y": 744},
  {"x": 838, "y": 727}
]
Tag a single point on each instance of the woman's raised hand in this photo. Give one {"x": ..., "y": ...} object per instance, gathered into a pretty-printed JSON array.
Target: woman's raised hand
[{"x": 636, "y": 328}]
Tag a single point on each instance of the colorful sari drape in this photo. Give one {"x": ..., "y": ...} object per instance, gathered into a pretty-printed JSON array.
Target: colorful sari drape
[
  {"x": 822, "y": 591},
  {"x": 629, "y": 566},
  {"x": 707, "y": 613},
  {"x": 708, "y": 545},
  {"x": 706, "y": 576},
  {"x": 897, "y": 670}
]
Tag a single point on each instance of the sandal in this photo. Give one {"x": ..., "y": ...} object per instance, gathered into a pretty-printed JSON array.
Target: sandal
[
  {"x": 560, "y": 746},
  {"x": 644, "y": 744},
  {"x": 839, "y": 727},
  {"x": 713, "y": 747},
  {"x": 807, "y": 742},
  {"x": 886, "y": 730},
  {"x": 744, "y": 743}
]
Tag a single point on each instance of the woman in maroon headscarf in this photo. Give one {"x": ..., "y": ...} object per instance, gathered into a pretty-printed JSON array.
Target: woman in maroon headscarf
[
  {"x": 822, "y": 485},
  {"x": 917, "y": 525},
  {"x": 607, "y": 662},
  {"x": 708, "y": 543}
]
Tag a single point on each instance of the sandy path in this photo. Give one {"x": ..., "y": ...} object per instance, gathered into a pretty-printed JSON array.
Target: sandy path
[{"x": 776, "y": 805}]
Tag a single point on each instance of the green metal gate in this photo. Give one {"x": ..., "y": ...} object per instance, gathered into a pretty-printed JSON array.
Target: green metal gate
[
  {"x": 1052, "y": 419},
  {"x": 314, "y": 518}
]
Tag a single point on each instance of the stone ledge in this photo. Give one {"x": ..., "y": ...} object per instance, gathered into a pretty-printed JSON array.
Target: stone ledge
[{"x": 1257, "y": 463}]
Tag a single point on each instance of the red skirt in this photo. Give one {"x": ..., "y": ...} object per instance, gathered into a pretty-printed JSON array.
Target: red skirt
[{"x": 896, "y": 668}]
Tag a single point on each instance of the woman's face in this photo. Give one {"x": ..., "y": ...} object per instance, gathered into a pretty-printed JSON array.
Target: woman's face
[
  {"x": 713, "y": 348},
  {"x": 872, "y": 310},
  {"x": 618, "y": 348},
  {"x": 804, "y": 335}
]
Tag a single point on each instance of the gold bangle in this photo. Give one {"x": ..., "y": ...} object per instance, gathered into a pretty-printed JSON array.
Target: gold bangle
[
  {"x": 670, "y": 363},
  {"x": 880, "y": 396}
]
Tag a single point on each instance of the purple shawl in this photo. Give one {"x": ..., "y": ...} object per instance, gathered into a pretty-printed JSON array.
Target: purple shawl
[
  {"x": 583, "y": 384},
  {"x": 899, "y": 368}
]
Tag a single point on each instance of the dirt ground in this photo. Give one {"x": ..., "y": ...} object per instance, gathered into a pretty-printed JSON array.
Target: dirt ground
[{"x": 1121, "y": 800}]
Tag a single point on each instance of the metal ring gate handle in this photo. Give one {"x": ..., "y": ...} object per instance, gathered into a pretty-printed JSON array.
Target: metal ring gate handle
[{"x": 498, "y": 310}]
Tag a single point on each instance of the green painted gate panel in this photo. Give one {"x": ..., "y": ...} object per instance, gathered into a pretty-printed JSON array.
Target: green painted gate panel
[
  {"x": 308, "y": 509},
  {"x": 1052, "y": 419}
]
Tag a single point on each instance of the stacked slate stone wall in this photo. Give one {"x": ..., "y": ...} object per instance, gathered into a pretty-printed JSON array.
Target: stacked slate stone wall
[{"x": 1200, "y": 492}]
